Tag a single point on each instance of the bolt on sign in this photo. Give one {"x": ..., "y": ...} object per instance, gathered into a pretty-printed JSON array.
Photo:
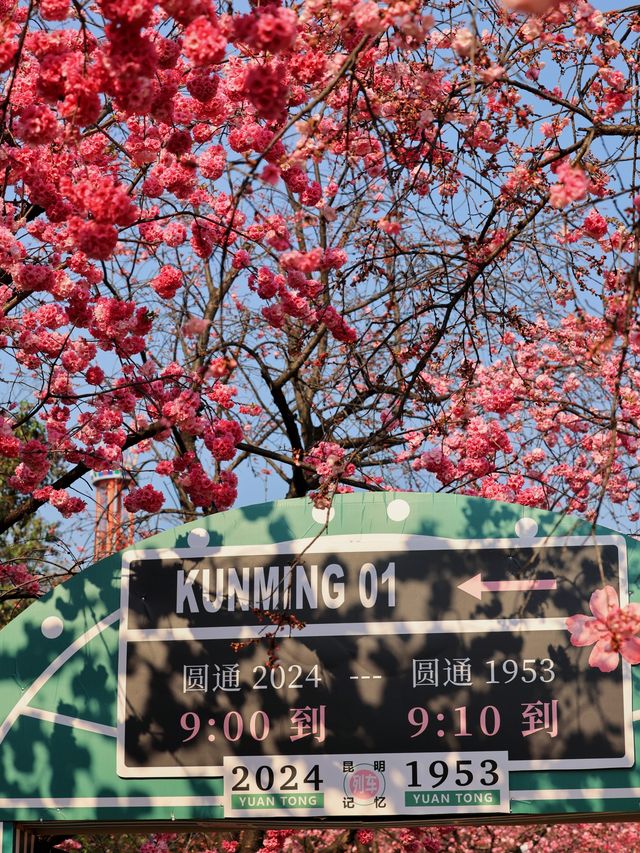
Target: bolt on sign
[{"x": 428, "y": 675}]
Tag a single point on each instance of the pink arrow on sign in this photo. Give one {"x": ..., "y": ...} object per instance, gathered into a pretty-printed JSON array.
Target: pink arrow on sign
[{"x": 475, "y": 586}]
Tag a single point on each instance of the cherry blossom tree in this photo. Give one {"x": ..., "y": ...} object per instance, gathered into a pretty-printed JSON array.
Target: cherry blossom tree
[
  {"x": 341, "y": 245},
  {"x": 336, "y": 244}
]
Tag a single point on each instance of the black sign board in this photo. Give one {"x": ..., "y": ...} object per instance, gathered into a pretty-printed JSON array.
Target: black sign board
[{"x": 409, "y": 646}]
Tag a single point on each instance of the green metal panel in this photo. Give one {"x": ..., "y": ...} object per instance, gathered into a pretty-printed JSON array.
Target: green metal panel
[
  {"x": 6, "y": 837},
  {"x": 58, "y": 691}
]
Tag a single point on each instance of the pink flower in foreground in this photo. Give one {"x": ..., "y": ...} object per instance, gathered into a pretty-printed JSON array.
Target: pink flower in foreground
[
  {"x": 530, "y": 7},
  {"x": 612, "y": 628},
  {"x": 69, "y": 844},
  {"x": 194, "y": 326},
  {"x": 572, "y": 185},
  {"x": 595, "y": 225}
]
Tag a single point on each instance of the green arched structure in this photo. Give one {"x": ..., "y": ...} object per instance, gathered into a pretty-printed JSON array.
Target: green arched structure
[{"x": 59, "y": 662}]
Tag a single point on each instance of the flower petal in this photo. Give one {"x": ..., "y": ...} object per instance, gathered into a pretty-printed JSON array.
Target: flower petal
[
  {"x": 603, "y": 602},
  {"x": 603, "y": 657},
  {"x": 630, "y": 649},
  {"x": 584, "y": 630}
]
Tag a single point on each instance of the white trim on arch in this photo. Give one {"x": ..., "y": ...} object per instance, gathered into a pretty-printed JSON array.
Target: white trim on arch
[{"x": 79, "y": 643}]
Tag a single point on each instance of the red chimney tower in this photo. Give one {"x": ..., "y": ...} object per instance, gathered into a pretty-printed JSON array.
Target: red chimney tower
[{"x": 112, "y": 531}]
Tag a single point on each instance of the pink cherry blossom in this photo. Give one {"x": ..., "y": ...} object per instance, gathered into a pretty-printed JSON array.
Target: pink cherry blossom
[
  {"x": 595, "y": 225},
  {"x": 145, "y": 498},
  {"x": 194, "y": 326},
  {"x": 464, "y": 42},
  {"x": 572, "y": 185},
  {"x": 204, "y": 42},
  {"x": 613, "y": 630},
  {"x": 531, "y": 7},
  {"x": 168, "y": 281}
]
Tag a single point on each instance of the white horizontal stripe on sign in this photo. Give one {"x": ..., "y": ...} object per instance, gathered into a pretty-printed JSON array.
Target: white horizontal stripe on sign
[
  {"x": 349, "y": 629},
  {"x": 577, "y": 794},
  {"x": 353, "y": 543},
  {"x": 73, "y": 722}
]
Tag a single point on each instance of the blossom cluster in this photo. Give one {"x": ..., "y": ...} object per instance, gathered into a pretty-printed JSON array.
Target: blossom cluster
[
  {"x": 18, "y": 578},
  {"x": 612, "y": 630}
]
